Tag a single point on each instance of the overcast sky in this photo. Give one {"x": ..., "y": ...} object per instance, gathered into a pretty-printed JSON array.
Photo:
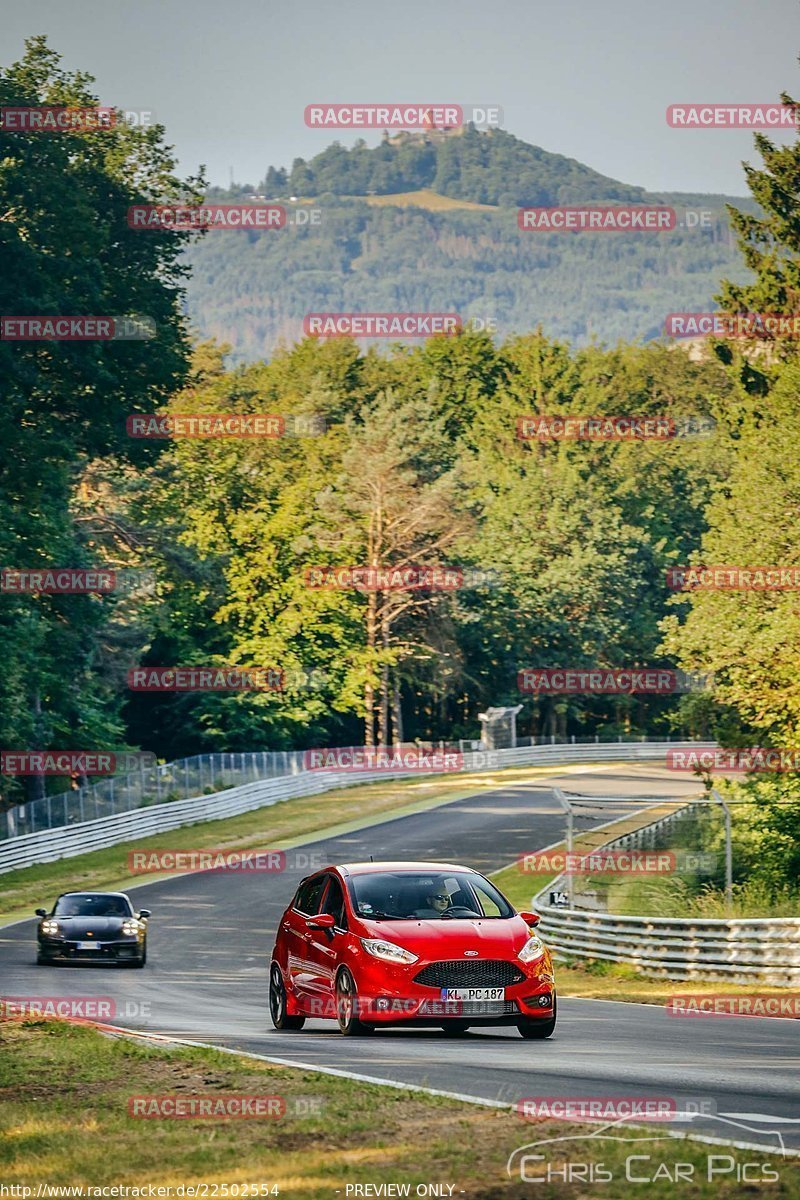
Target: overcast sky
[{"x": 590, "y": 79}]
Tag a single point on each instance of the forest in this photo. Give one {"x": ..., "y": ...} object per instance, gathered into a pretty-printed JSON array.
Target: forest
[{"x": 385, "y": 457}]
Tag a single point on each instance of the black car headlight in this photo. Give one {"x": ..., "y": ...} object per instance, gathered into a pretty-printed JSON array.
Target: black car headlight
[
  {"x": 51, "y": 928},
  {"x": 131, "y": 928}
]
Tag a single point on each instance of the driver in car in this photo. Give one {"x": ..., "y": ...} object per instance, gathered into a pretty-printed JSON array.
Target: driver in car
[{"x": 435, "y": 904}]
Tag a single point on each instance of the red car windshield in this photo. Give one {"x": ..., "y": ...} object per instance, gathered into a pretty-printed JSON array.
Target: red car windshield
[{"x": 428, "y": 895}]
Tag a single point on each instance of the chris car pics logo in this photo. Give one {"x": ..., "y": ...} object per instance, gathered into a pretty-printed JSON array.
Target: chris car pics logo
[{"x": 642, "y": 1157}]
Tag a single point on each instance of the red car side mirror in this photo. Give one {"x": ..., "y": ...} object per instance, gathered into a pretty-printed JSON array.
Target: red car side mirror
[
  {"x": 530, "y": 918},
  {"x": 321, "y": 921}
]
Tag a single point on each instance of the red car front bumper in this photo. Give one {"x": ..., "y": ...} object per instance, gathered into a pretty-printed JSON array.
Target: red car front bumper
[{"x": 389, "y": 994}]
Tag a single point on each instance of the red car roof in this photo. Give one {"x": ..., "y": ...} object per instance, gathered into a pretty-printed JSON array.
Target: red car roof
[{"x": 362, "y": 868}]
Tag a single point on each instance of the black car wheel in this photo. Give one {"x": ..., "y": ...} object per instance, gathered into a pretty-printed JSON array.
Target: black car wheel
[
  {"x": 139, "y": 962},
  {"x": 277, "y": 1002},
  {"x": 347, "y": 1006},
  {"x": 538, "y": 1029}
]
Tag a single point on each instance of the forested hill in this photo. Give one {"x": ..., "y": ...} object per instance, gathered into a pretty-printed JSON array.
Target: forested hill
[
  {"x": 491, "y": 167},
  {"x": 400, "y": 228},
  {"x": 485, "y": 167}
]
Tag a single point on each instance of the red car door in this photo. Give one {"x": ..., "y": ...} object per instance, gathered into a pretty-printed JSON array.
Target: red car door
[
  {"x": 324, "y": 947},
  {"x": 295, "y": 929}
]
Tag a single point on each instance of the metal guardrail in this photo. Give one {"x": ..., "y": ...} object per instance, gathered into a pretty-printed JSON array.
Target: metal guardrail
[
  {"x": 743, "y": 950},
  {"x": 157, "y": 783},
  {"x": 181, "y": 779},
  {"x": 69, "y": 840}
]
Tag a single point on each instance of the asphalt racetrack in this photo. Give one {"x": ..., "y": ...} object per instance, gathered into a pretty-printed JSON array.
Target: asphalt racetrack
[{"x": 211, "y": 935}]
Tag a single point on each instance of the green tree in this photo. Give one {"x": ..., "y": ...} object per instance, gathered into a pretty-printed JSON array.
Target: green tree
[{"x": 66, "y": 249}]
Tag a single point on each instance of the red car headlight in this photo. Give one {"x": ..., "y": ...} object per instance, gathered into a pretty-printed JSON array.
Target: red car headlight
[
  {"x": 532, "y": 950},
  {"x": 387, "y": 951}
]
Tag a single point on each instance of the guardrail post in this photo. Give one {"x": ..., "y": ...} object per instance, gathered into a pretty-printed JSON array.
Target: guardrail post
[
  {"x": 567, "y": 807},
  {"x": 728, "y": 852}
]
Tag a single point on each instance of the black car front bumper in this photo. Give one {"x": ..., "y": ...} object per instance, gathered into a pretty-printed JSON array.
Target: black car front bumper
[{"x": 62, "y": 950}]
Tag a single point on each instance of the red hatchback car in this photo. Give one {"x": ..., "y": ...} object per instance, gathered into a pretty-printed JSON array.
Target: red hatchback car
[{"x": 409, "y": 943}]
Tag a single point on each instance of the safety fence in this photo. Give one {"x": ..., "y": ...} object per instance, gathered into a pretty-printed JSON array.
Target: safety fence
[
  {"x": 69, "y": 839},
  {"x": 741, "y": 951},
  {"x": 202, "y": 774},
  {"x": 761, "y": 950}
]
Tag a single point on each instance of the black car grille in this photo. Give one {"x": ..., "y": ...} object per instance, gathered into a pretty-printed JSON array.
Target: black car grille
[
  {"x": 461, "y": 972},
  {"x": 487, "y": 1008}
]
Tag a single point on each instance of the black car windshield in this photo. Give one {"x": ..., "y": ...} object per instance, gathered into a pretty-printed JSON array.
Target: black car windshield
[
  {"x": 426, "y": 895},
  {"x": 92, "y": 906}
]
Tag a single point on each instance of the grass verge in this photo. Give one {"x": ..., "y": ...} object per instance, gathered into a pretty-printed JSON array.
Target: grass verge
[{"x": 66, "y": 1091}]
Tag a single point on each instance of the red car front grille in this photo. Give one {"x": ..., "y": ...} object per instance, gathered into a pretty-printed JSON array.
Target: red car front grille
[{"x": 464, "y": 972}]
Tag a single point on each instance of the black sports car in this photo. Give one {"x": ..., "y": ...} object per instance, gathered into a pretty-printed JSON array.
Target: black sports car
[{"x": 93, "y": 927}]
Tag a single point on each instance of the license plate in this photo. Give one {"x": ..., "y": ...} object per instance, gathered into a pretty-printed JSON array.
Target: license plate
[
  {"x": 473, "y": 993},
  {"x": 86, "y": 946}
]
